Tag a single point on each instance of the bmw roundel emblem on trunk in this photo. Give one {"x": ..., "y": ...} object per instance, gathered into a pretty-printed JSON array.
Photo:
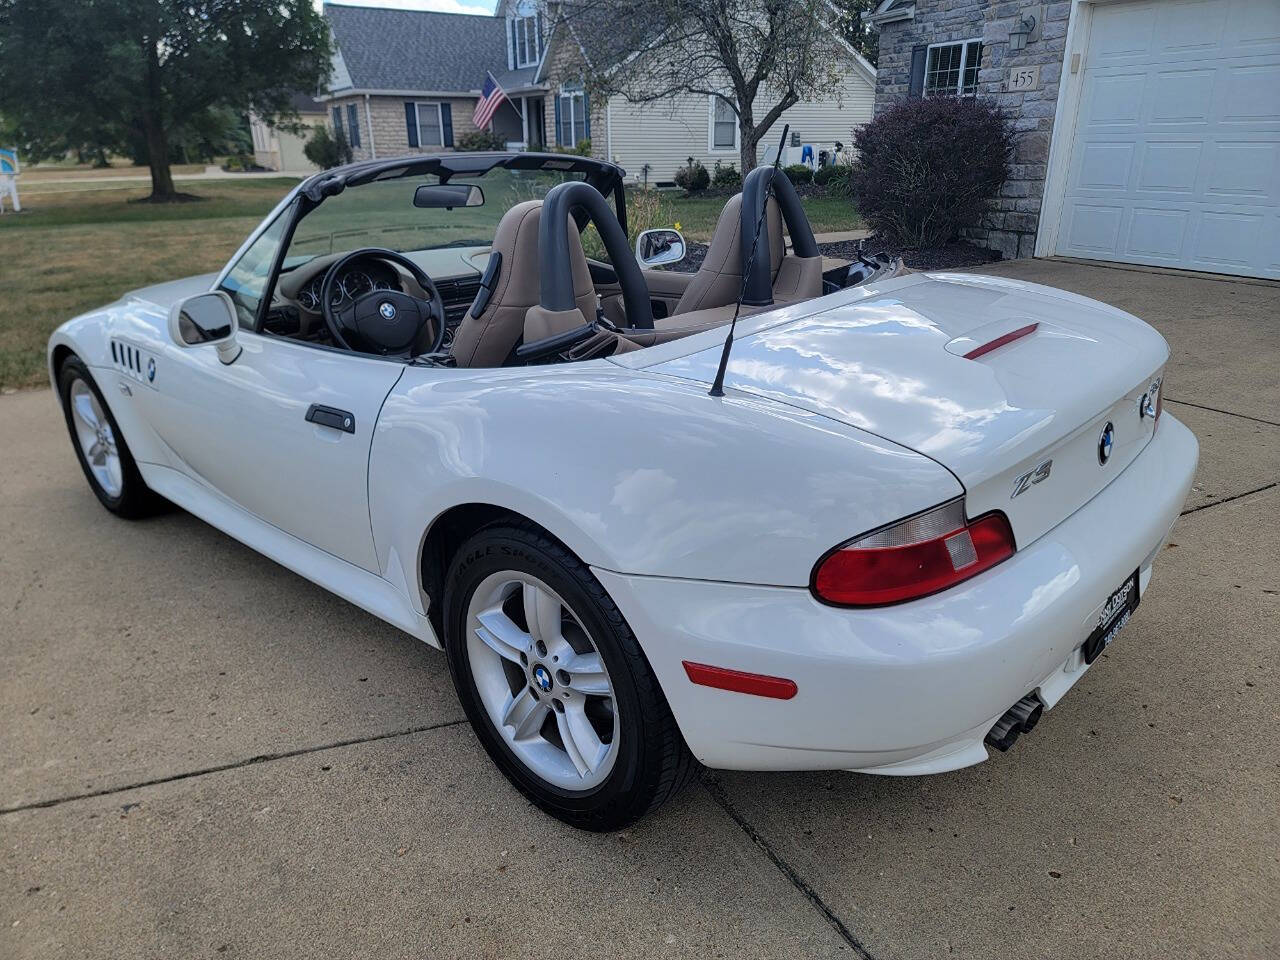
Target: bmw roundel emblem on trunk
[
  {"x": 1106, "y": 442},
  {"x": 387, "y": 309}
]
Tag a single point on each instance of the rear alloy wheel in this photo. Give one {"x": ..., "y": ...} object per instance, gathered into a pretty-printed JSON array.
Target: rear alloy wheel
[
  {"x": 103, "y": 454},
  {"x": 541, "y": 680},
  {"x": 555, "y": 683}
]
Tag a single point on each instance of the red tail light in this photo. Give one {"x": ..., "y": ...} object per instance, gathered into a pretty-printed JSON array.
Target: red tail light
[{"x": 913, "y": 558}]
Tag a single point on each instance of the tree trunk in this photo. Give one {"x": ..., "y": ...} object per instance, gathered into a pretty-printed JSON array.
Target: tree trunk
[
  {"x": 746, "y": 141},
  {"x": 162, "y": 190}
]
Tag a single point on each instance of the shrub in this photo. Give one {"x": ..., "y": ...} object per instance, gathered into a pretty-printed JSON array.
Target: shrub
[
  {"x": 582, "y": 149},
  {"x": 726, "y": 177},
  {"x": 478, "y": 141},
  {"x": 831, "y": 173},
  {"x": 798, "y": 173},
  {"x": 326, "y": 150},
  {"x": 693, "y": 177},
  {"x": 928, "y": 167}
]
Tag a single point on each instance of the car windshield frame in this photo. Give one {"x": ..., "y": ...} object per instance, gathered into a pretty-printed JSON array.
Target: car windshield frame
[{"x": 604, "y": 176}]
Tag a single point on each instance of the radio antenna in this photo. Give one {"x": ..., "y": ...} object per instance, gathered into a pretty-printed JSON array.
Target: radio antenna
[{"x": 717, "y": 386}]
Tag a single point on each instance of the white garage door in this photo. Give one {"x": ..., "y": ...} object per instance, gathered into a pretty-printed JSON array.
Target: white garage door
[{"x": 1176, "y": 155}]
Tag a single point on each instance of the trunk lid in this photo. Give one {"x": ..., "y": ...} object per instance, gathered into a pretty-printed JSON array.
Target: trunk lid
[{"x": 889, "y": 359}]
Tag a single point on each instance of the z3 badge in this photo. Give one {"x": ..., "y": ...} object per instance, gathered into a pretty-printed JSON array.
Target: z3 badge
[{"x": 1031, "y": 478}]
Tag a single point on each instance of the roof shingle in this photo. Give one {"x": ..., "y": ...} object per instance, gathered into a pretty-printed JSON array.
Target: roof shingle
[{"x": 387, "y": 49}]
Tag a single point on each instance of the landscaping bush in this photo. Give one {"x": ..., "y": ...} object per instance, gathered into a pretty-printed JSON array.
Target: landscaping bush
[
  {"x": 726, "y": 177},
  {"x": 928, "y": 167},
  {"x": 326, "y": 150},
  {"x": 583, "y": 149},
  {"x": 832, "y": 173},
  {"x": 693, "y": 177},
  {"x": 478, "y": 141},
  {"x": 798, "y": 173}
]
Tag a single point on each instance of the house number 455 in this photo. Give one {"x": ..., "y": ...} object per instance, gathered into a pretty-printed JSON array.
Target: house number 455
[{"x": 1023, "y": 78}]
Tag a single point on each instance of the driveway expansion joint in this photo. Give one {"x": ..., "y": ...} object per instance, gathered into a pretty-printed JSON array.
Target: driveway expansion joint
[
  {"x": 713, "y": 786},
  {"x": 233, "y": 765},
  {"x": 1234, "y": 496},
  {"x": 1229, "y": 413}
]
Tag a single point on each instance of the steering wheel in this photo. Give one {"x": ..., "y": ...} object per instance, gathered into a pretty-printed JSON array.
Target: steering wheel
[{"x": 382, "y": 321}]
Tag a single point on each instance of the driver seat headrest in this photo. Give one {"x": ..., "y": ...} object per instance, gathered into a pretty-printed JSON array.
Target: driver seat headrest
[{"x": 488, "y": 337}]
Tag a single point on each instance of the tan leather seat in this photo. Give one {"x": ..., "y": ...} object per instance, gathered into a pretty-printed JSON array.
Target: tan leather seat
[
  {"x": 719, "y": 280},
  {"x": 488, "y": 340}
]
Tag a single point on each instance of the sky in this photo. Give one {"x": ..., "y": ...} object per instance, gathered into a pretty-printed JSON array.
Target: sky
[{"x": 443, "y": 6}]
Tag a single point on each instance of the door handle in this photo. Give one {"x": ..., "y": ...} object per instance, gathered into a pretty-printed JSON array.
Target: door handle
[{"x": 331, "y": 417}]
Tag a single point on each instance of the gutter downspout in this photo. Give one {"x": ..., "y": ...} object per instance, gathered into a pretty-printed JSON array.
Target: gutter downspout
[
  {"x": 608, "y": 128},
  {"x": 368, "y": 116}
]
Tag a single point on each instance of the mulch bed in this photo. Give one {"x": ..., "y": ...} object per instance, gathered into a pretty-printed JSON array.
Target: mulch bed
[{"x": 958, "y": 253}]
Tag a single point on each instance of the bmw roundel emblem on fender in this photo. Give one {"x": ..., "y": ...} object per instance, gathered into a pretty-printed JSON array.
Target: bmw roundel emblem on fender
[
  {"x": 151, "y": 369},
  {"x": 1106, "y": 442},
  {"x": 387, "y": 309}
]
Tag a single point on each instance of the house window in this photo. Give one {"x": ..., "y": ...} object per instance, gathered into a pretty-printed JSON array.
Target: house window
[
  {"x": 724, "y": 125},
  {"x": 430, "y": 127},
  {"x": 572, "y": 126},
  {"x": 525, "y": 42},
  {"x": 353, "y": 124},
  {"x": 952, "y": 68}
]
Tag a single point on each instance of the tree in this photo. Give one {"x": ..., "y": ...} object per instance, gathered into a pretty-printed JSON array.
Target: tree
[
  {"x": 850, "y": 18},
  {"x": 760, "y": 56},
  {"x": 99, "y": 75}
]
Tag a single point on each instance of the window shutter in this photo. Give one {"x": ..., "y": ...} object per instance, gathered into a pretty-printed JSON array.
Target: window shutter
[
  {"x": 512, "y": 50},
  {"x": 337, "y": 120},
  {"x": 446, "y": 123},
  {"x": 411, "y": 123},
  {"x": 918, "y": 56},
  {"x": 353, "y": 123},
  {"x": 558, "y": 122},
  {"x": 586, "y": 117},
  {"x": 538, "y": 22}
]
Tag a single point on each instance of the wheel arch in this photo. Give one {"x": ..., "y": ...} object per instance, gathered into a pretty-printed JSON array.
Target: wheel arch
[{"x": 445, "y": 536}]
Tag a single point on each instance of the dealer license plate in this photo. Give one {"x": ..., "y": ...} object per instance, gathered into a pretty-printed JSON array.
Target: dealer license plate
[{"x": 1115, "y": 614}]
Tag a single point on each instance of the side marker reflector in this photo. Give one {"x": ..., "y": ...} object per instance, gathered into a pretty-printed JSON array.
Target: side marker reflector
[
  {"x": 737, "y": 681},
  {"x": 999, "y": 342}
]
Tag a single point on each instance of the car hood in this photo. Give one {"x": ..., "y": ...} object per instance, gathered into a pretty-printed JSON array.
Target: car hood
[
  {"x": 890, "y": 360},
  {"x": 170, "y": 292}
]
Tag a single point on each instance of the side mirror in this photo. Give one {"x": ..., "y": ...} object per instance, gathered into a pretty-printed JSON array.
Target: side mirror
[
  {"x": 657, "y": 248},
  {"x": 206, "y": 319}
]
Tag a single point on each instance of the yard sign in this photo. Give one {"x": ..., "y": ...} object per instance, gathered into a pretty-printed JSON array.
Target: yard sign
[{"x": 9, "y": 177}]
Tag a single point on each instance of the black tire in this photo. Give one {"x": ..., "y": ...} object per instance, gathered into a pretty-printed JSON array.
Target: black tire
[
  {"x": 653, "y": 763},
  {"x": 135, "y": 498}
]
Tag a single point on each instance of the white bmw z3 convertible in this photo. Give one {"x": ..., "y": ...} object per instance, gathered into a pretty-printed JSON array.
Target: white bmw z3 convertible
[{"x": 918, "y": 510}]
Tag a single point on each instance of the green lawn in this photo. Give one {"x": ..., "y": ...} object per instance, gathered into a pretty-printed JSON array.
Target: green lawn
[{"x": 77, "y": 246}]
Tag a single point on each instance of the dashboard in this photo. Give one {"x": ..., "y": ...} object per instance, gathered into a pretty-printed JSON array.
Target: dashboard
[
  {"x": 296, "y": 310},
  {"x": 359, "y": 278}
]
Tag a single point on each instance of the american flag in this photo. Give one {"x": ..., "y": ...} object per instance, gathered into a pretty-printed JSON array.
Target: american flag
[{"x": 491, "y": 98}]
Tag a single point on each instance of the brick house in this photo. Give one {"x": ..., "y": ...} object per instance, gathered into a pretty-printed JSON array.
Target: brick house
[
  {"x": 1148, "y": 131},
  {"x": 406, "y": 81}
]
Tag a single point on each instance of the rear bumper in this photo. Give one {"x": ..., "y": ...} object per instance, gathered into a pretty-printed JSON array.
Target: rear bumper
[{"x": 910, "y": 689}]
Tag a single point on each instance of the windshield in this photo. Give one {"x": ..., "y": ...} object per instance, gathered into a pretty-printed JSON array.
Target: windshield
[{"x": 382, "y": 214}]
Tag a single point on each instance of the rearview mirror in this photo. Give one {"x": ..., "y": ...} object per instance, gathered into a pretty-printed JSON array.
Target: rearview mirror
[
  {"x": 207, "y": 319},
  {"x": 448, "y": 195},
  {"x": 657, "y": 248}
]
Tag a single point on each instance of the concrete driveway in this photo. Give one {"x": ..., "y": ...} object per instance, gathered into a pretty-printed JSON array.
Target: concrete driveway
[{"x": 205, "y": 755}]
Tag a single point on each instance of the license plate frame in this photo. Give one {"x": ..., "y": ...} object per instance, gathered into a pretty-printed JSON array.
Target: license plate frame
[{"x": 1116, "y": 612}]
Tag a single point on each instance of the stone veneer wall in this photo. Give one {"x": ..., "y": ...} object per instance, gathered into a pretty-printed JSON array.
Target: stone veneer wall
[{"x": 1011, "y": 225}]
